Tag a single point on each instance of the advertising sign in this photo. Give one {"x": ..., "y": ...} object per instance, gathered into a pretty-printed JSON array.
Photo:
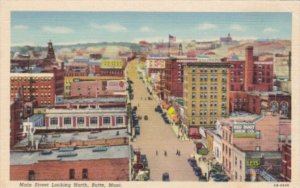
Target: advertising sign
[
  {"x": 156, "y": 63},
  {"x": 116, "y": 85},
  {"x": 243, "y": 130},
  {"x": 253, "y": 163},
  {"x": 111, "y": 64}
]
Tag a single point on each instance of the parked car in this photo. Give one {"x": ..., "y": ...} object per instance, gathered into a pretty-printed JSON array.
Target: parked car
[
  {"x": 202, "y": 178},
  {"x": 220, "y": 178},
  {"x": 144, "y": 161},
  {"x": 197, "y": 171},
  {"x": 192, "y": 162},
  {"x": 145, "y": 117},
  {"x": 166, "y": 176}
]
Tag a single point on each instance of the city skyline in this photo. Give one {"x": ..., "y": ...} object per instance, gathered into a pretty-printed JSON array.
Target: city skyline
[{"x": 36, "y": 28}]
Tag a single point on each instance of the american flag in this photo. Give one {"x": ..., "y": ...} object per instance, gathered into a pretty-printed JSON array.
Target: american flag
[{"x": 172, "y": 38}]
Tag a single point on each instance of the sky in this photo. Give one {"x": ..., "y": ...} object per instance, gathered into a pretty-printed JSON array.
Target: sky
[{"x": 37, "y": 28}]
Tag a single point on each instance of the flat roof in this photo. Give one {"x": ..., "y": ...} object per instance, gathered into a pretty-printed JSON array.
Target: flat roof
[
  {"x": 35, "y": 117},
  {"x": 31, "y": 74},
  {"x": 32, "y": 157},
  {"x": 78, "y": 136},
  {"x": 96, "y": 100}
]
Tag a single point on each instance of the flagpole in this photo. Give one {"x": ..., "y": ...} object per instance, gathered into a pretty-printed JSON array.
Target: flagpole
[{"x": 169, "y": 46}]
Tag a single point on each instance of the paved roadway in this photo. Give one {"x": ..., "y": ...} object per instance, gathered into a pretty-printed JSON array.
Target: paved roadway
[{"x": 156, "y": 135}]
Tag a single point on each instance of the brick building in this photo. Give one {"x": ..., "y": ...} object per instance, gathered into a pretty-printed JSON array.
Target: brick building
[
  {"x": 91, "y": 163},
  {"x": 16, "y": 114},
  {"x": 174, "y": 76},
  {"x": 90, "y": 89},
  {"x": 76, "y": 69},
  {"x": 251, "y": 74},
  {"x": 248, "y": 132},
  {"x": 109, "y": 71},
  {"x": 286, "y": 173},
  {"x": 105, "y": 118},
  {"x": 69, "y": 80},
  {"x": 38, "y": 86}
]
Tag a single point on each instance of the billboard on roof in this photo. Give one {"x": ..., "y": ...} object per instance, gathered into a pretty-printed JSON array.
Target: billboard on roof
[{"x": 112, "y": 64}]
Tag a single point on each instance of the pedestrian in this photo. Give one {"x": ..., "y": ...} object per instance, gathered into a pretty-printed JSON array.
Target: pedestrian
[
  {"x": 165, "y": 153},
  {"x": 178, "y": 152},
  {"x": 156, "y": 152}
]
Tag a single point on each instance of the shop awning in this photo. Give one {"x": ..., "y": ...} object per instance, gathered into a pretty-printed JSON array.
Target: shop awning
[{"x": 194, "y": 132}]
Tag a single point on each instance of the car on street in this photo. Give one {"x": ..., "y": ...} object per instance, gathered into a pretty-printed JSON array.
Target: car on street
[
  {"x": 166, "y": 176},
  {"x": 145, "y": 117},
  {"x": 197, "y": 171},
  {"x": 202, "y": 178},
  {"x": 220, "y": 178},
  {"x": 192, "y": 162}
]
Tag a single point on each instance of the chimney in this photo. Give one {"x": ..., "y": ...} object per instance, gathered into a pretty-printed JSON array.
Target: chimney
[
  {"x": 62, "y": 65},
  {"x": 249, "y": 68}
]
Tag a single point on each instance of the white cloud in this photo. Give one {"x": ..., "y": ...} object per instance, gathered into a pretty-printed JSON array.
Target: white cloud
[
  {"x": 206, "y": 26},
  {"x": 20, "y": 27},
  {"x": 112, "y": 27},
  {"x": 146, "y": 29},
  {"x": 270, "y": 30},
  {"x": 237, "y": 27},
  {"x": 57, "y": 29}
]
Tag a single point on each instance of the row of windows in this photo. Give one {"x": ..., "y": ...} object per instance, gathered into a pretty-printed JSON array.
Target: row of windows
[
  {"x": 204, "y": 122},
  {"x": 84, "y": 174},
  {"x": 81, "y": 120},
  {"x": 204, "y": 69},
  {"x": 28, "y": 78}
]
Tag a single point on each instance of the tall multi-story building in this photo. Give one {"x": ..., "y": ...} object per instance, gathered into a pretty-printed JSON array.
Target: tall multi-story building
[
  {"x": 174, "y": 76},
  {"x": 251, "y": 74},
  {"x": 38, "y": 86},
  {"x": 205, "y": 92}
]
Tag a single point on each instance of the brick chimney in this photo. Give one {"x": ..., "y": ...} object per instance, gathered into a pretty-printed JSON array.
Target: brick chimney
[{"x": 249, "y": 68}]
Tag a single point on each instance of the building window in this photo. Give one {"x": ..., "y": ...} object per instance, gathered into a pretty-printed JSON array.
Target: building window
[
  {"x": 67, "y": 121},
  {"x": 31, "y": 175},
  {"x": 257, "y": 135},
  {"x": 71, "y": 174},
  {"x": 119, "y": 120},
  {"x": 106, "y": 120},
  {"x": 236, "y": 176},
  {"x": 193, "y": 113},
  {"x": 235, "y": 161},
  {"x": 54, "y": 121},
  {"x": 240, "y": 164},
  {"x": 80, "y": 120},
  {"x": 257, "y": 148},
  {"x": 84, "y": 173},
  {"x": 93, "y": 120}
]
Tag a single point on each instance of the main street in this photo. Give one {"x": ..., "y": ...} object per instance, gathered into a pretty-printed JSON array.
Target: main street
[{"x": 158, "y": 136}]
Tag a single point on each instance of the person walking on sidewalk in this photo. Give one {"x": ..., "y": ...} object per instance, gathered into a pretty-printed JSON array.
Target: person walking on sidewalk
[
  {"x": 156, "y": 152},
  {"x": 165, "y": 153}
]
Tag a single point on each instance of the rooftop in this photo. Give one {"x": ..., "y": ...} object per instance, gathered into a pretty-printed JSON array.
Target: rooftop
[
  {"x": 96, "y": 100},
  {"x": 75, "y": 136},
  {"x": 35, "y": 117},
  {"x": 88, "y": 153}
]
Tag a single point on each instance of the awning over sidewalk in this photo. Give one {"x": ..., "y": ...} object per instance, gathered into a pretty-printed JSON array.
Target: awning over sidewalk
[{"x": 194, "y": 132}]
